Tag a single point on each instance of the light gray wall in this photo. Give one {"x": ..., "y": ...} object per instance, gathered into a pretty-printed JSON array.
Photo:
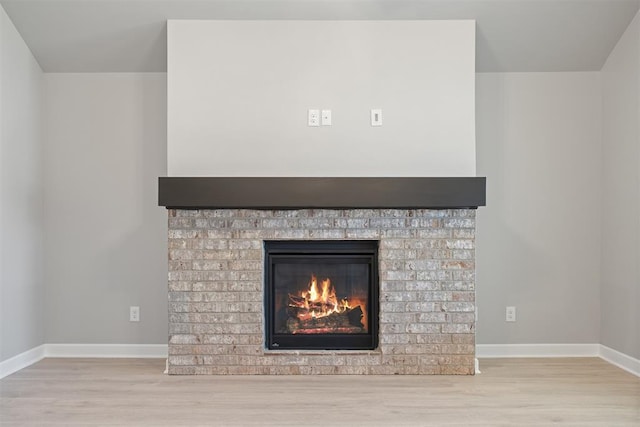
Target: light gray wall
[
  {"x": 620, "y": 294},
  {"x": 538, "y": 239},
  {"x": 21, "y": 212},
  {"x": 105, "y": 235},
  {"x": 239, "y": 92}
]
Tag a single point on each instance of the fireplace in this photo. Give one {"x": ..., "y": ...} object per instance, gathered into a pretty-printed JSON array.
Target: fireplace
[
  {"x": 321, "y": 295},
  {"x": 236, "y": 243}
]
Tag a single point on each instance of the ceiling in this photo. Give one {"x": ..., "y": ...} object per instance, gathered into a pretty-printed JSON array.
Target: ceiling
[{"x": 130, "y": 35}]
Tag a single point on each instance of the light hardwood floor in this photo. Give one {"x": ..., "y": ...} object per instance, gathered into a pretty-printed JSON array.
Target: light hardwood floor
[{"x": 509, "y": 392}]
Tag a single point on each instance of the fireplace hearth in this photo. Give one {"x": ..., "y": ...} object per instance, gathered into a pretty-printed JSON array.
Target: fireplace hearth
[{"x": 321, "y": 295}]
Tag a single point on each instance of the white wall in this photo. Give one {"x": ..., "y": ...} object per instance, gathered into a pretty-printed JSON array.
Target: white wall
[
  {"x": 538, "y": 239},
  {"x": 105, "y": 235},
  {"x": 21, "y": 213},
  {"x": 239, "y": 92},
  {"x": 621, "y": 220}
]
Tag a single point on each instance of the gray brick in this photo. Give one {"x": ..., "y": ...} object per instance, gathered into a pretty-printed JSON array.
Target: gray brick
[
  {"x": 421, "y": 307},
  {"x": 423, "y": 244},
  {"x": 210, "y": 265},
  {"x": 351, "y": 223},
  {"x": 398, "y": 296},
  {"x": 392, "y": 244},
  {"x": 392, "y": 307},
  {"x": 432, "y": 317},
  {"x": 392, "y": 265},
  {"x": 439, "y": 275},
  {"x": 434, "y": 296},
  {"x": 423, "y": 328},
  {"x": 362, "y": 234},
  {"x": 459, "y": 223},
  {"x": 426, "y": 290},
  {"x": 422, "y": 265},
  {"x": 464, "y": 233},
  {"x": 293, "y": 234},
  {"x": 421, "y": 285},
  {"x": 182, "y": 234},
  {"x": 404, "y": 233},
  {"x": 325, "y": 234},
  {"x": 316, "y": 223},
  {"x": 176, "y": 223},
  {"x": 425, "y": 223},
  {"x": 460, "y": 244},
  {"x": 463, "y": 254},
  {"x": 387, "y": 317},
  {"x": 460, "y": 307},
  {"x": 435, "y": 233},
  {"x": 279, "y": 223},
  {"x": 457, "y": 328}
]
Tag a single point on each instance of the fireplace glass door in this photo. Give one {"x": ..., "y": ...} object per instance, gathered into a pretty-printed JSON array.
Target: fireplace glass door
[{"x": 321, "y": 295}]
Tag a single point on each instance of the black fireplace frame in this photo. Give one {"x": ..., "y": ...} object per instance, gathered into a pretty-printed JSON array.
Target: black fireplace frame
[{"x": 366, "y": 251}]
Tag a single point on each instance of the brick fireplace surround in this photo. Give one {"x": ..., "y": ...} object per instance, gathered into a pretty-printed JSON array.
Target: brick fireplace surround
[{"x": 427, "y": 287}]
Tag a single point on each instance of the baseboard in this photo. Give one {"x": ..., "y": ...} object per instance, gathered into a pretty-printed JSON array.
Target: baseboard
[
  {"x": 537, "y": 350},
  {"x": 22, "y": 360},
  {"x": 620, "y": 360},
  {"x": 107, "y": 350},
  {"x": 160, "y": 351}
]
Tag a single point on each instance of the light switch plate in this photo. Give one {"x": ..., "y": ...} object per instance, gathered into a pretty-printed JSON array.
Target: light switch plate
[
  {"x": 376, "y": 117},
  {"x": 326, "y": 118}
]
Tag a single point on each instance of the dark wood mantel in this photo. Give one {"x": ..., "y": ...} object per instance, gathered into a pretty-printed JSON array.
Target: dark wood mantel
[{"x": 321, "y": 193}]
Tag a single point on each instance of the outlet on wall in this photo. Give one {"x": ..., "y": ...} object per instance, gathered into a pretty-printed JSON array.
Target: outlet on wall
[
  {"x": 134, "y": 313},
  {"x": 313, "y": 118},
  {"x": 510, "y": 314}
]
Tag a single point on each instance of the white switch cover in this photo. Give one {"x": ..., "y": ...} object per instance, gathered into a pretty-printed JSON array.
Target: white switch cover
[
  {"x": 376, "y": 117},
  {"x": 314, "y": 118},
  {"x": 326, "y": 118}
]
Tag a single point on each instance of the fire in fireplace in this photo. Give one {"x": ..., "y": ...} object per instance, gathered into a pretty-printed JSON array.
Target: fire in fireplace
[
  {"x": 321, "y": 294},
  {"x": 318, "y": 310}
]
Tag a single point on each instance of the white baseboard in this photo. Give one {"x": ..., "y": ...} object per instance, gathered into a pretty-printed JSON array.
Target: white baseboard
[
  {"x": 107, "y": 350},
  {"x": 160, "y": 351},
  {"x": 22, "y": 360},
  {"x": 620, "y": 360},
  {"x": 537, "y": 350},
  {"x": 36, "y": 354}
]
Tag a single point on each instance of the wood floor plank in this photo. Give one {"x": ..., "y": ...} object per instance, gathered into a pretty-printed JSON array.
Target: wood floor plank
[{"x": 509, "y": 392}]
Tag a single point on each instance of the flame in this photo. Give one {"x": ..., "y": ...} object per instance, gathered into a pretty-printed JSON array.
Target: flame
[{"x": 320, "y": 300}]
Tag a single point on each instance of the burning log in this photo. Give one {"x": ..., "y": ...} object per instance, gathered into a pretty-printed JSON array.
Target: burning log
[
  {"x": 319, "y": 311},
  {"x": 355, "y": 316},
  {"x": 296, "y": 301},
  {"x": 301, "y": 322}
]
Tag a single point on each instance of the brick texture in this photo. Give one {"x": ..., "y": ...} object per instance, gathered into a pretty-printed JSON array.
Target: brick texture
[{"x": 427, "y": 290}]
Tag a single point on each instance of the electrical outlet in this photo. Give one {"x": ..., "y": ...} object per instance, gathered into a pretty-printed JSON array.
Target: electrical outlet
[
  {"x": 134, "y": 314},
  {"x": 313, "y": 118},
  {"x": 510, "y": 314}
]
